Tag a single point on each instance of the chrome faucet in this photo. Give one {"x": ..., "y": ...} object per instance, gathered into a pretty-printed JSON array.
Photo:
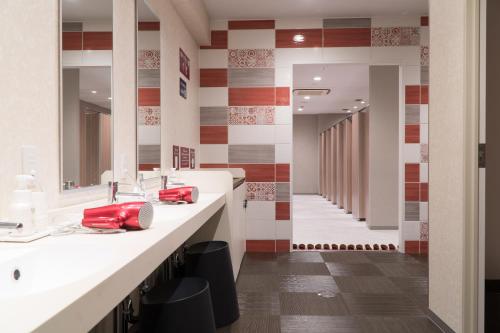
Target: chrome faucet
[
  {"x": 10, "y": 225},
  {"x": 114, "y": 193}
]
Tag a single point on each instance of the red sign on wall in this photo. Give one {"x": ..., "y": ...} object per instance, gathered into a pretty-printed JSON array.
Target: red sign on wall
[{"x": 184, "y": 64}]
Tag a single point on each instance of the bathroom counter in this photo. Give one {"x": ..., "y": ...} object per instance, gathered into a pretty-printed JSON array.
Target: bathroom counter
[{"x": 111, "y": 267}]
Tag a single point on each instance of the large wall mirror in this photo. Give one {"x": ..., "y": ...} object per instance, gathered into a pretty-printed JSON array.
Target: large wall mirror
[
  {"x": 148, "y": 92},
  {"x": 86, "y": 92}
]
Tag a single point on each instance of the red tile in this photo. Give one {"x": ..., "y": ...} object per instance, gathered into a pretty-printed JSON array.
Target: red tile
[
  {"x": 97, "y": 40},
  {"x": 412, "y": 247},
  {"x": 149, "y": 96},
  {"x": 283, "y": 96},
  {"x": 71, "y": 40},
  {"x": 282, "y": 211},
  {"x": 282, "y": 172},
  {"x": 412, "y": 94},
  {"x": 251, "y": 96},
  {"x": 257, "y": 172},
  {"x": 412, "y": 172},
  {"x": 261, "y": 245},
  {"x": 251, "y": 24},
  {"x": 213, "y": 134},
  {"x": 282, "y": 245},
  {"x": 424, "y": 192},
  {"x": 213, "y": 166},
  {"x": 219, "y": 40},
  {"x": 424, "y": 21},
  {"x": 213, "y": 77},
  {"x": 148, "y": 26},
  {"x": 412, "y": 133},
  {"x": 424, "y": 247},
  {"x": 412, "y": 191},
  {"x": 347, "y": 37},
  {"x": 424, "y": 95},
  {"x": 312, "y": 38},
  {"x": 148, "y": 166}
]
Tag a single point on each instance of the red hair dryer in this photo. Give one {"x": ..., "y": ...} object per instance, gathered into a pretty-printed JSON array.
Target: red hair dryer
[
  {"x": 128, "y": 215},
  {"x": 187, "y": 194}
]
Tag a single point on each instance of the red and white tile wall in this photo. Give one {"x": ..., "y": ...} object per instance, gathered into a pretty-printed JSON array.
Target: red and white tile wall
[{"x": 245, "y": 102}]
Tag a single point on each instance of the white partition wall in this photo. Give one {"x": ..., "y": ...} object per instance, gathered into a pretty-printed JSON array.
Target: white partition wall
[{"x": 333, "y": 163}]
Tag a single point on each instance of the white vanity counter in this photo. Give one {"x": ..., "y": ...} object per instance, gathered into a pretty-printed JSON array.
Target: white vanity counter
[{"x": 69, "y": 283}]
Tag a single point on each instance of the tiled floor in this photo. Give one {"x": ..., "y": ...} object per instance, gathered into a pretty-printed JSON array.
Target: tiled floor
[
  {"x": 317, "y": 221},
  {"x": 344, "y": 292}
]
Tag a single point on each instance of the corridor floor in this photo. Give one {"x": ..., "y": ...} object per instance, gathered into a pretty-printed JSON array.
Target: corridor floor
[
  {"x": 336, "y": 291},
  {"x": 317, "y": 221}
]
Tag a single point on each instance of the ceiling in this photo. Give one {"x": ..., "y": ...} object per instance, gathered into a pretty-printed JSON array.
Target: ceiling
[
  {"x": 347, "y": 82},
  {"x": 96, "y": 79},
  {"x": 270, "y": 9},
  {"x": 144, "y": 13}
]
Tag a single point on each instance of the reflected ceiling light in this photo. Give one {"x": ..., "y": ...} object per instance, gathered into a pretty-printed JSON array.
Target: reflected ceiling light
[
  {"x": 354, "y": 107},
  {"x": 300, "y": 109},
  {"x": 317, "y": 78},
  {"x": 110, "y": 98},
  {"x": 298, "y": 38},
  {"x": 307, "y": 97},
  {"x": 363, "y": 102},
  {"x": 94, "y": 92}
]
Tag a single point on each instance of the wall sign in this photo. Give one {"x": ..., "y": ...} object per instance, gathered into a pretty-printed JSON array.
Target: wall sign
[
  {"x": 184, "y": 157},
  {"x": 192, "y": 158},
  {"x": 175, "y": 157},
  {"x": 184, "y": 63},
  {"x": 182, "y": 88}
]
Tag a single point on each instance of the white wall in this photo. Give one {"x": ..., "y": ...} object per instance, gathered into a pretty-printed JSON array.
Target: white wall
[
  {"x": 383, "y": 151},
  {"x": 453, "y": 163},
  {"x": 305, "y": 154},
  {"x": 29, "y": 91}
]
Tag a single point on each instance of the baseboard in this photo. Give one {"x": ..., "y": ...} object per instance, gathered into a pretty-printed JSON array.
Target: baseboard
[
  {"x": 382, "y": 228},
  {"x": 439, "y": 322}
]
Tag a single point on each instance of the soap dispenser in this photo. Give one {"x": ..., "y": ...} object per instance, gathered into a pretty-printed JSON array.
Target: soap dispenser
[{"x": 21, "y": 207}]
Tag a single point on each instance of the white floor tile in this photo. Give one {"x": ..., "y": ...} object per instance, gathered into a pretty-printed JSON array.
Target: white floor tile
[{"x": 316, "y": 220}]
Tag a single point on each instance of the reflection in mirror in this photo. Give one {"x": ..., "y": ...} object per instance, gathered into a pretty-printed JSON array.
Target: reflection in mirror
[
  {"x": 148, "y": 85},
  {"x": 86, "y": 123}
]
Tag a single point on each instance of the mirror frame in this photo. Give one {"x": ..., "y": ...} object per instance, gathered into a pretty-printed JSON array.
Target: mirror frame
[{"x": 60, "y": 180}]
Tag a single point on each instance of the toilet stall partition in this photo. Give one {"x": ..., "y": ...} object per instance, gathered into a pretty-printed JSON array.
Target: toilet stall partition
[{"x": 246, "y": 115}]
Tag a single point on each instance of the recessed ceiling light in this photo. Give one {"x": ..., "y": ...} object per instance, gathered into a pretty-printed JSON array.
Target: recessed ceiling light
[
  {"x": 317, "y": 78},
  {"x": 363, "y": 102},
  {"x": 354, "y": 107},
  {"x": 94, "y": 92},
  {"x": 298, "y": 38},
  {"x": 307, "y": 97},
  {"x": 110, "y": 98}
]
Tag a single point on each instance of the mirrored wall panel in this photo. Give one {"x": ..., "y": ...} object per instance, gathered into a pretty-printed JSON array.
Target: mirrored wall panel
[
  {"x": 86, "y": 89},
  {"x": 148, "y": 85}
]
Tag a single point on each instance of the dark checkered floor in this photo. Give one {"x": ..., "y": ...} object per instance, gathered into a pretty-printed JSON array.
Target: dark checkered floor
[{"x": 343, "y": 292}]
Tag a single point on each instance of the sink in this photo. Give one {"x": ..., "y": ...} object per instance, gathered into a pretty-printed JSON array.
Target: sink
[{"x": 32, "y": 270}]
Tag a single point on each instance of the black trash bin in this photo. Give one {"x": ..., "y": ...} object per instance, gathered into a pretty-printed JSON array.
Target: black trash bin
[
  {"x": 178, "y": 306},
  {"x": 212, "y": 261}
]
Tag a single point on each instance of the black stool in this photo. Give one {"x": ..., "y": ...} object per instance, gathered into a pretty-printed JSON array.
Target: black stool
[
  {"x": 212, "y": 261},
  {"x": 178, "y": 306}
]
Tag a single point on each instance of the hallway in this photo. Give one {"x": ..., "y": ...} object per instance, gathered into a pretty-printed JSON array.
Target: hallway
[
  {"x": 320, "y": 292},
  {"x": 317, "y": 221}
]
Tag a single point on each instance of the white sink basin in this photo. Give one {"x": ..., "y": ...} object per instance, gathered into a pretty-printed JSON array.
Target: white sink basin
[{"x": 32, "y": 270}]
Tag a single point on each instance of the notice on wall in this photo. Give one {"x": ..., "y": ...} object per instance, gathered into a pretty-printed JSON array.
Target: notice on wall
[
  {"x": 192, "y": 158},
  {"x": 184, "y": 64},
  {"x": 183, "y": 88},
  {"x": 175, "y": 157},
  {"x": 185, "y": 157}
]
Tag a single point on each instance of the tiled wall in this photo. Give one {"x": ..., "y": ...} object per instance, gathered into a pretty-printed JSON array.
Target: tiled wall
[
  {"x": 148, "y": 83},
  {"x": 246, "y": 114},
  {"x": 86, "y": 36}
]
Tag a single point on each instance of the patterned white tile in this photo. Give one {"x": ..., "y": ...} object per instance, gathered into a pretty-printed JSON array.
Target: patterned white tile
[
  {"x": 424, "y": 231},
  {"x": 148, "y": 59},
  {"x": 261, "y": 191},
  {"x": 149, "y": 115},
  {"x": 251, "y": 115},
  {"x": 251, "y": 58},
  {"x": 389, "y": 36},
  {"x": 424, "y": 56}
]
